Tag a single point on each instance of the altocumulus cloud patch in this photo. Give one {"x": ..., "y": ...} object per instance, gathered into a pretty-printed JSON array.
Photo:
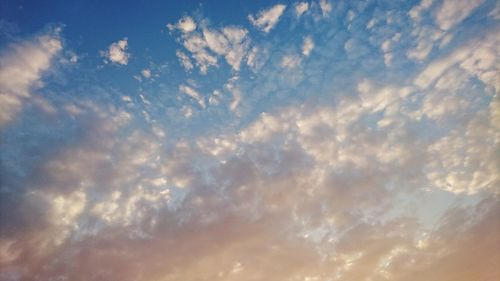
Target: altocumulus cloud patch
[{"x": 316, "y": 140}]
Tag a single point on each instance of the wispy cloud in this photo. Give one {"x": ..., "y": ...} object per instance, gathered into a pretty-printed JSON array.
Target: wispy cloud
[{"x": 265, "y": 20}]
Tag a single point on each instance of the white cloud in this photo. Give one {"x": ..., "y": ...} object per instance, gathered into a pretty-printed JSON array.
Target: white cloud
[
  {"x": 256, "y": 58},
  {"x": 495, "y": 13},
  {"x": 197, "y": 46},
  {"x": 307, "y": 46},
  {"x": 193, "y": 93},
  {"x": 187, "y": 111},
  {"x": 146, "y": 73},
  {"x": 478, "y": 57},
  {"x": 231, "y": 86},
  {"x": 452, "y": 12},
  {"x": 22, "y": 66},
  {"x": 232, "y": 43},
  {"x": 425, "y": 37},
  {"x": 465, "y": 161},
  {"x": 239, "y": 43},
  {"x": 301, "y": 8},
  {"x": 267, "y": 19},
  {"x": 185, "y": 25},
  {"x": 416, "y": 12},
  {"x": 216, "y": 41},
  {"x": 184, "y": 60},
  {"x": 290, "y": 61},
  {"x": 325, "y": 6},
  {"x": 117, "y": 52}
]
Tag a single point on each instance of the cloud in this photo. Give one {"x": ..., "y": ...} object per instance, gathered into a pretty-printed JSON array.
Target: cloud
[
  {"x": 196, "y": 44},
  {"x": 290, "y": 61},
  {"x": 478, "y": 57},
  {"x": 325, "y": 6},
  {"x": 416, "y": 12},
  {"x": 146, "y": 73},
  {"x": 184, "y": 59},
  {"x": 452, "y": 12},
  {"x": 256, "y": 58},
  {"x": 343, "y": 175},
  {"x": 235, "y": 91},
  {"x": 23, "y": 64},
  {"x": 117, "y": 52},
  {"x": 286, "y": 185},
  {"x": 232, "y": 43},
  {"x": 301, "y": 8},
  {"x": 265, "y": 20},
  {"x": 185, "y": 25},
  {"x": 193, "y": 93},
  {"x": 307, "y": 46}
]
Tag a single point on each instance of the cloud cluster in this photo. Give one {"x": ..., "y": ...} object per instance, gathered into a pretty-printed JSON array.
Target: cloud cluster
[
  {"x": 265, "y": 20},
  {"x": 117, "y": 52},
  {"x": 206, "y": 45},
  {"x": 21, "y": 70},
  {"x": 340, "y": 174},
  {"x": 282, "y": 198}
]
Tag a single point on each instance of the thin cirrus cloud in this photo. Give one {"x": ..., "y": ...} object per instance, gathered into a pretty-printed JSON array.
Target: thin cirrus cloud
[{"x": 359, "y": 142}]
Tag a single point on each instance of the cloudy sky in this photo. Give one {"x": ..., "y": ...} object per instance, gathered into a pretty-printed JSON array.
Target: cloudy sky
[{"x": 250, "y": 140}]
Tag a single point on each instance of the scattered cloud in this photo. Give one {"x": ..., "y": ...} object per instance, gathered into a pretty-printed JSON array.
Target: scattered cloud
[
  {"x": 301, "y": 8},
  {"x": 341, "y": 168},
  {"x": 146, "y": 73},
  {"x": 193, "y": 94},
  {"x": 416, "y": 12},
  {"x": 117, "y": 52},
  {"x": 23, "y": 64},
  {"x": 290, "y": 61},
  {"x": 185, "y": 25},
  {"x": 326, "y": 7},
  {"x": 265, "y": 20},
  {"x": 453, "y": 12},
  {"x": 184, "y": 60},
  {"x": 307, "y": 46}
]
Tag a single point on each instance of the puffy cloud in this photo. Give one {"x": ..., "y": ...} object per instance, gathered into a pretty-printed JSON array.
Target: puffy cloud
[
  {"x": 344, "y": 178},
  {"x": 265, "y": 20},
  {"x": 325, "y": 6},
  {"x": 453, "y": 12},
  {"x": 235, "y": 91},
  {"x": 256, "y": 58},
  {"x": 184, "y": 59},
  {"x": 478, "y": 57},
  {"x": 146, "y": 73},
  {"x": 232, "y": 43},
  {"x": 416, "y": 12},
  {"x": 197, "y": 46},
  {"x": 287, "y": 186},
  {"x": 301, "y": 8},
  {"x": 117, "y": 52},
  {"x": 23, "y": 64},
  {"x": 185, "y": 25},
  {"x": 193, "y": 93},
  {"x": 465, "y": 161},
  {"x": 307, "y": 46},
  {"x": 290, "y": 61}
]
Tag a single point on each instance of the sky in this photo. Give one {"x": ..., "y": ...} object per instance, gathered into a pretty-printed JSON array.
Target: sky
[{"x": 314, "y": 140}]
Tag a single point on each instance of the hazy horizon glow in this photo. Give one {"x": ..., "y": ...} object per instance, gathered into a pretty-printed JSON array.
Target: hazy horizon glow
[{"x": 252, "y": 140}]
